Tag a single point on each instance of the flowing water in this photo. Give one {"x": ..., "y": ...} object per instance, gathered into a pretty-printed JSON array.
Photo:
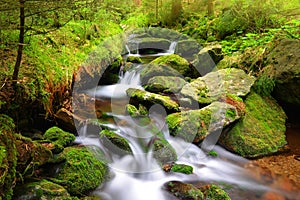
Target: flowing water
[{"x": 138, "y": 176}]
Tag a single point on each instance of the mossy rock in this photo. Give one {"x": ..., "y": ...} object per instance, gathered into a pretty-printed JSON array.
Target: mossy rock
[
  {"x": 215, "y": 85},
  {"x": 182, "y": 168},
  {"x": 260, "y": 132},
  {"x": 229, "y": 62},
  {"x": 8, "y": 157},
  {"x": 214, "y": 192},
  {"x": 134, "y": 59},
  {"x": 148, "y": 99},
  {"x": 165, "y": 84},
  {"x": 59, "y": 138},
  {"x": 196, "y": 125},
  {"x": 183, "y": 190},
  {"x": 31, "y": 155},
  {"x": 136, "y": 112},
  {"x": 115, "y": 143},
  {"x": 178, "y": 63},
  {"x": 188, "y": 48},
  {"x": 43, "y": 189},
  {"x": 82, "y": 172},
  {"x": 151, "y": 70},
  {"x": 163, "y": 151}
]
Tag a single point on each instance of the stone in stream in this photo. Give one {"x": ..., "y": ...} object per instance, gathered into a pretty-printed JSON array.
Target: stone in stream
[
  {"x": 42, "y": 189},
  {"x": 187, "y": 48},
  {"x": 183, "y": 190},
  {"x": 81, "y": 172},
  {"x": 149, "y": 99},
  {"x": 260, "y": 132},
  {"x": 8, "y": 157},
  {"x": 178, "y": 63},
  {"x": 196, "y": 125},
  {"x": 164, "y": 84},
  {"x": 216, "y": 85}
]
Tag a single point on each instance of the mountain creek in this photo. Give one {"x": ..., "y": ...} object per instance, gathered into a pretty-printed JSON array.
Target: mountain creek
[{"x": 163, "y": 118}]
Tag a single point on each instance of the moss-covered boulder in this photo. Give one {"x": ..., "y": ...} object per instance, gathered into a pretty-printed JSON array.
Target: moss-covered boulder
[
  {"x": 42, "y": 189},
  {"x": 8, "y": 157},
  {"x": 178, "y": 63},
  {"x": 59, "y": 138},
  {"x": 136, "y": 112},
  {"x": 284, "y": 68},
  {"x": 165, "y": 84},
  {"x": 81, "y": 172},
  {"x": 151, "y": 70},
  {"x": 162, "y": 150},
  {"x": 187, "y": 48},
  {"x": 214, "y": 192},
  {"x": 215, "y": 85},
  {"x": 195, "y": 125},
  {"x": 183, "y": 190},
  {"x": 115, "y": 143},
  {"x": 148, "y": 99},
  {"x": 260, "y": 132},
  {"x": 31, "y": 155}
]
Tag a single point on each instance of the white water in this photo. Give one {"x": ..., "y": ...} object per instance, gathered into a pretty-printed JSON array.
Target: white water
[{"x": 138, "y": 176}]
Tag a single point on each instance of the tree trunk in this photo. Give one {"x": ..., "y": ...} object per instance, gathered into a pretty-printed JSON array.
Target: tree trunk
[
  {"x": 156, "y": 9},
  {"x": 210, "y": 8},
  {"x": 21, "y": 41}
]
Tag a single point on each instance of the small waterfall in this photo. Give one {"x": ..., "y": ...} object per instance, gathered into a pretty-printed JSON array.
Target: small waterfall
[{"x": 172, "y": 47}]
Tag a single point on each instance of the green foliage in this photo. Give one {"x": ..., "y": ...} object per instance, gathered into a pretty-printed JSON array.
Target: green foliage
[
  {"x": 213, "y": 153},
  {"x": 264, "y": 85},
  {"x": 182, "y": 168}
]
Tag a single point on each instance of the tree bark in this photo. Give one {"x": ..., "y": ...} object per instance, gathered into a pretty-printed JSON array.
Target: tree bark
[
  {"x": 21, "y": 41},
  {"x": 210, "y": 8}
]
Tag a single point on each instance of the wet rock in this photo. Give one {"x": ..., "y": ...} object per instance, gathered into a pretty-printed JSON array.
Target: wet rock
[
  {"x": 151, "y": 70},
  {"x": 188, "y": 49},
  {"x": 260, "y": 132},
  {"x": 179, "y": 64},
  {"x": 115, "y": 143},
  {"x": 66, "y": 119},
  {"x": 214, "y": 192},
  {"x": 43, "y": 189},
  {"x": 31, "y": 155},
  {"x": 183, "y": 191},
  {"x": 81, "y": 172},
  {"x": 163, "y": 151},
  {"x": 284, "y": 68},
  {"x": 8, "y": 157},
  {"x": 165, "y": 84},
  {"x": 58, "y": 138},
  {"x": 148, "y": 99},
  {"x": 215, "y": 85},
  {"x": 196, "y": 125},
  {"x": 207, "y": 58}
]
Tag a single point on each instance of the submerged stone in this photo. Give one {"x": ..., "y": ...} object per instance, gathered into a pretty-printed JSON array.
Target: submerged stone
[
  {"x": 81, "y": 172},
  {"x": 42, "y": 189},
  {"x": 165, "y": 84},
  {"x": 215, "y": 85},
  {"x": 148, "y": 99},
  {"x": 179, "y": 64},
  {"x": 260, "y": 132},
  {"x": 196, "y": 125}
]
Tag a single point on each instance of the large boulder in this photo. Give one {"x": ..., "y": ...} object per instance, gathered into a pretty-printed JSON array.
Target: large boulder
[
  {"x": 81, "y": 172},
  {"x": 179, "y": 64},
  {"x": 165, "y": 84},
  {"x": 42, "y": 189},
  {"x": 260, "y": 132},
  {"x": 284, "y": 68},
  {"x": 8, "y": 157},
  {"x": 196, "y": 125},
  {"x": 149, "y": 99},
  {"x": 188, "y": 48},
  {"x": 151, "y": 70},
  {"x": 215, "y": 85}
]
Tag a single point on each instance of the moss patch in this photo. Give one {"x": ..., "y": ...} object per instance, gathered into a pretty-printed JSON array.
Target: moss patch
[
  {"x": 214, "y": 192},
  {"x": 182, "y": 168},
  {"x": 260, "y": 132},
  {"x": 115, "y": 142}
]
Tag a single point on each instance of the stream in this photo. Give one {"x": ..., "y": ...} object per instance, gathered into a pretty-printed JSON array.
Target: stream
[{"x": 138, "y": 175}]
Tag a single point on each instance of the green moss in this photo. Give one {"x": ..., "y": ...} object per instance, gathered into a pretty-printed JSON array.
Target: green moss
[
  {"x": 148, "y": 99},
  {"x": 134, "y": 112},
  {"x": 59, "y": 138},
  {"x": 114, "y": 141},
  {"x": 176, "y": 62},
  {"x": 182, "y": 168},
  {"x": 215, "y": 192},
  {"x": 82, "y": 172},
  {"x": 43, "y": 189},
  {"x": 213, "y": 153},
  {"x": 183, "y": 190},
  {"x": 8, "y": 157},
  {"x": 134, "y": 59},
  {"x": 261, "y": 131},
  {"x": 165, "y": 84}
]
